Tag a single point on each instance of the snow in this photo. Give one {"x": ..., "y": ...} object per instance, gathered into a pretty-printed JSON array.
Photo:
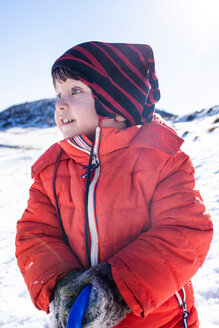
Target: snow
[
  {"x": 21, "y": 147},
  {"x": 201, "y": 143}
]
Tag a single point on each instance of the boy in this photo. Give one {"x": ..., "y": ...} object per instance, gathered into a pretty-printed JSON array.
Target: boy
[{"x": 113, "y": 204}]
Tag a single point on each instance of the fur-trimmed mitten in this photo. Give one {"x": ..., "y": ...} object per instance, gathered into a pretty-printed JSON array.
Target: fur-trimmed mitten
[
  {"x": 106, "y": 306},
  {"x": 61, "y": 302}
]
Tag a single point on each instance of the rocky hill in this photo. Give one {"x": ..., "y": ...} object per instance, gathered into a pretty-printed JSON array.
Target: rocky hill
[
  {"x": 40, "y": 114},
  {"x": 30, "y": 114}
]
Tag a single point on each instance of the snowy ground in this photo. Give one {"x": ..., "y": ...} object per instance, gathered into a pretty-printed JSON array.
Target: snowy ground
[{"x": 16, "y": 309}]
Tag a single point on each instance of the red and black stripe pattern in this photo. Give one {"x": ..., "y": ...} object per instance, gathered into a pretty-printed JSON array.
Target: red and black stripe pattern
[{"x": 122, "y": 77}]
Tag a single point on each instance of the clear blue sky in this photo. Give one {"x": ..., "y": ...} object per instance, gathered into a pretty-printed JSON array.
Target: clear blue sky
[{"x": 183, "y": 34}]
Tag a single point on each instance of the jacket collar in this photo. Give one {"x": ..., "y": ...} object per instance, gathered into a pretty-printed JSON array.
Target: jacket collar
[
  {"x": 154, "y": 135},
  {"x": 77, "y": 148}
]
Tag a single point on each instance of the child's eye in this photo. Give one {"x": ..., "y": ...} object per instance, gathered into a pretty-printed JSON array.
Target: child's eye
[{"x": 75, "y": 91}]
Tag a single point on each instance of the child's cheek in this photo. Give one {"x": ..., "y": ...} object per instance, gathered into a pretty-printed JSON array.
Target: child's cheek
[{"x": 56, "y": 117}]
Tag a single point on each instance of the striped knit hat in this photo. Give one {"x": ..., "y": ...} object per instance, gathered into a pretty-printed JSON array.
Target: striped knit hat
[{"x": 121, "y": 76}]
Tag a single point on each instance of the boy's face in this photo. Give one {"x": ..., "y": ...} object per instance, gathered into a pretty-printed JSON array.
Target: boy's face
[{"x": 75, "y": 112}]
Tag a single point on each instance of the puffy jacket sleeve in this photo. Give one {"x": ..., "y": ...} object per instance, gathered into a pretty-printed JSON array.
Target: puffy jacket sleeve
[
  {"x": 165, "y": 257},
  {"x": 42, "y": 255}
]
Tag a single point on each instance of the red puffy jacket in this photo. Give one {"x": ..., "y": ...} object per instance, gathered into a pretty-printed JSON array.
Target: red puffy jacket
[{"x": 145, "y": 219}]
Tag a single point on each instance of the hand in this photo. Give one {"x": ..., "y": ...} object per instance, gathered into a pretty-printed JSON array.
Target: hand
[
  {"x": 63, "y": 297},
  {"x": 106, "y": 306}
]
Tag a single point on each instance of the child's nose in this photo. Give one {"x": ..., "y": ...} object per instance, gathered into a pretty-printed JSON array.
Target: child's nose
[{"x": 61, "y": 105}]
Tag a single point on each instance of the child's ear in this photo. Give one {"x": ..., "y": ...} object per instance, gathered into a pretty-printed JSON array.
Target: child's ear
[{"x": 120, "y": 118}]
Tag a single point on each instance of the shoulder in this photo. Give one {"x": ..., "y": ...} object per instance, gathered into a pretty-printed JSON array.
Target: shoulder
[
  {"x": 47, "y": 158},
  {"x": 159, "y": 136}
]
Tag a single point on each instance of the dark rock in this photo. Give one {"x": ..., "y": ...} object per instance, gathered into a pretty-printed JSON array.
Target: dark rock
[
  {"x": 201, "y": 114},
  {"x": 191, "y": 117},
  {"x": 167, "y": 116},
  {"x": 34, "y": 114},
  {"x": 212, "y": 129},
  {"x": 185, "y": 134},
  {"x": 216, "y": 120}
]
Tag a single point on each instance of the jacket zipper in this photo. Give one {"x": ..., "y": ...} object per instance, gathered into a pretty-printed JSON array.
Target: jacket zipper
[
  {"x": 91, "y": 226},
  {"x": 182, "y": 304},
  {"x": 91, "y": 205}
]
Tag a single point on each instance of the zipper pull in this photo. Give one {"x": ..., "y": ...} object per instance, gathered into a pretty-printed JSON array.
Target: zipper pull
[
  {"x": 185, "y": 314},
  {"x": 183, "y": 306},
  {"x": 95, "y": 161},
  {"x": 94, "y": 165}
]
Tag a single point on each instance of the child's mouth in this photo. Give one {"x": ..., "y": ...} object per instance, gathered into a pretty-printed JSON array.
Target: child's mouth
[{"x": 67, "y": 121}]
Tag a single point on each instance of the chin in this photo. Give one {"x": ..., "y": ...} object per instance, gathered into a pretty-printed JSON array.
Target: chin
[{"x": 68, "y": 135}]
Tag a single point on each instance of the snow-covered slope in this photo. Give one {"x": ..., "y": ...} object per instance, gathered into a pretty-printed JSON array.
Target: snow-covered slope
[{"x": 20, "y": 148}]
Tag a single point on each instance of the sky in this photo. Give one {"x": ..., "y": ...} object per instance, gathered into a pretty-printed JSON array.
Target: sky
[{"x": 183, "y": 34}]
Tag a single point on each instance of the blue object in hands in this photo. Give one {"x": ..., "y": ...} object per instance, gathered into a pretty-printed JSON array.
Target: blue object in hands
[{"x": 79, "y": 308}]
